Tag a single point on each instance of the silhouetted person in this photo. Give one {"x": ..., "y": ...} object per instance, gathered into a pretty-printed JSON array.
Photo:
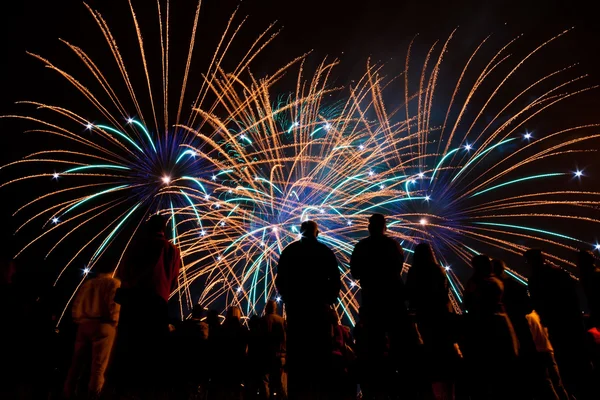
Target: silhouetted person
[
  {"x": 308, "y": 280},
  {"x": 554, "y": 296},
  {"x": 274, "y": 379},
  {"x": 148, "y": 276},
  {"x": 341, "y": 360},
  {"x": 96, "y": 314},
  {"x": 377, "y": 262},
  {"x": 590, "y": 280},
  {"x": 192, "y": 348},
  {"x": 257, "y": 360},
  {"x": 231, "y": 344},
  {"x": 517, "y": 305},
  {"x": 491, "y": 346},
  {"x": 427, "y": 289}
]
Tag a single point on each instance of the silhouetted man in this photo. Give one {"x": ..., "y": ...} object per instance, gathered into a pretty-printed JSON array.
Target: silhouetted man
[
  {"x": 275, "y": 352},
  {"x": 377, "y": 262},
  {"x": 148, "y": 276},
  {"x": 96, "y": 314},
  {"x": 554, "y": 297},
  {"x": 308, "y": 280}
]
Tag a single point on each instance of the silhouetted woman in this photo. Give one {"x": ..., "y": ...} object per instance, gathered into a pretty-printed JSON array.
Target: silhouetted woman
[
  {"x": 231, "y": 345},
  {"x": 491, "y": 346},
  {"x": 427, "y": 287}
]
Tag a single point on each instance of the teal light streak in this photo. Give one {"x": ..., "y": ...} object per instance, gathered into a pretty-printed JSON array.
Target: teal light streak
[
  {"x": 340, "y": 185},
  {"x": 107, "y": 166},
  {"x": 305, "y": 210},
  {"x": 269, "y": 182},
  {"x": 525, "y": 228},
  {"x": 515, "y": 277},
  {"x": 341, "y": 147},
  {"x": 406, "y": 187},
  {"x": 372, "y": 186},
  {"x": 193, "y": 207},
  {"x": 388, "y": 202},
  {"x": 247, "y": 139},
  {"x": 268, "y": 265},
  {"x": 474, "y": 251},
  {"x": 336, "y": 211},
  {"x": 346, "y": 312},
  {"x": 95, "y": 195},
  {"x": 227, "y": 171},
  {"x": 479, "y": 155},
  {"x": 173, "y": 225},
  {"x": 454, "y": 288},
  {"x": 295, "y": 194},
  {"x": 246, "y": 199},
  {"x": 114, "y": 231},
  {"x": 527, "y": 178},
  {"x": 190, "y": 152},
  {"x": 197, "y": 182},
  {"x": 441, "y": 161},
  {"x": 292, "y": 127},
  {"x": 316, "y": 130},
  {"x": 108, "y": 128},
  {"x": 143, "y": 128}
]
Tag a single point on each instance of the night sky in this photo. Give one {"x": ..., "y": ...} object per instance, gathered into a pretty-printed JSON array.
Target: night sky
[{"x": 349, "y": 30}]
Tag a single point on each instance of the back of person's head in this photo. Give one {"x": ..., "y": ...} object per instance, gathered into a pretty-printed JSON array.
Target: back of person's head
[
  {"x": 156, "y": 224},
  {"x": 271, "y": 307},
  {"x": 212, "y": 318},
  {"x": 309, "y": 229},
  {"x": 423, "y": 256},
  {"x": 586, "y": 261},
  {"x": 498, "y": 266},
  {"x": 534, "y": 257},
  {"x": 482, "y": 266},
  {"x": 377, "y": 225},
  {"x": 233, "y": 313},
  {"x": 197, "y": 311}
]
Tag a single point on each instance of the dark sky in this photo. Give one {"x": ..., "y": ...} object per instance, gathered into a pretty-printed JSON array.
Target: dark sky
[{"x": 351, "y": 30}]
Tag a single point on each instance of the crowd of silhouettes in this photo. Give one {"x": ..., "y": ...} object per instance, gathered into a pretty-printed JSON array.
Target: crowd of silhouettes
[{"x": 502, "y": 339}]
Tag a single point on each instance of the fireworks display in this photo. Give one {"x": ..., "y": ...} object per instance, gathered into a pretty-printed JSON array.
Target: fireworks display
[{"x": 241, "y": 164}]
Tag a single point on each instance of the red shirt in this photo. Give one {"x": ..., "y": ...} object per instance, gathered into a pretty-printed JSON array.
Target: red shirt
[{"x": 152, "y": 264}]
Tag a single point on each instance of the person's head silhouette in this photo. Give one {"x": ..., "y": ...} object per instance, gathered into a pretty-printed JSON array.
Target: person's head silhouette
[
  {"x": 309, "y": 230},
  {"x": 482, "y": 266},
  {"x": 534, "y": 258},
  {"x": 156, "y": 224},
  {"x": 377, "y": 225},
  {"x": 423, "y": 255},
  {"x": 271, "y": 307},
  {"x": 233, "y": 314},
  {"x": 197, "y": 311}
]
